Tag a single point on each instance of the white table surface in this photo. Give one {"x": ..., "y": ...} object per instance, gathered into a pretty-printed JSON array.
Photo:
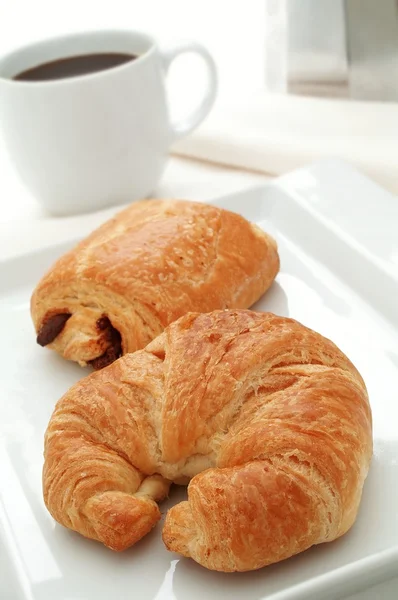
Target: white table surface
[{"x": 25, "y": 226}]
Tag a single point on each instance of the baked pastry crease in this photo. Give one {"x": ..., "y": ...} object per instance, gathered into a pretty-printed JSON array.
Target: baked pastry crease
[
  {"x": 152, "y": 263},
  {"x": 268, "y": 420}
]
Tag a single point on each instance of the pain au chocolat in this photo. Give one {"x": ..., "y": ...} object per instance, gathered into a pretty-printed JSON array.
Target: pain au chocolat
[{"x": 152, "y": 263}]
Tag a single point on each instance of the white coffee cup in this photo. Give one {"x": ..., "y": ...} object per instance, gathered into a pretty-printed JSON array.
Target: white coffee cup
[{"x": 89, "y": 141}]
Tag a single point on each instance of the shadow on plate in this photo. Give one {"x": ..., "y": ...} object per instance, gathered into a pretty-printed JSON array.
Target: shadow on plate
[{"x": 274, "y": 300}]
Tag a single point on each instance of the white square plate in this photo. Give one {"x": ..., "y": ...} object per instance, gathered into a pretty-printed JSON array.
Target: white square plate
[{"x": 338, "y": 240}]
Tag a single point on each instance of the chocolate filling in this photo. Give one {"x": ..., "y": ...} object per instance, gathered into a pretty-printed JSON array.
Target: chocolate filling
[
  {"x": 103, "y": 323},
  {"x": 115, "y": 345},
  {"x": 51, "y": 327}
]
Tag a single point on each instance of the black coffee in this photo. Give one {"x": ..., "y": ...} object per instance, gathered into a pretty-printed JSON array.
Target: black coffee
[{"x": 73, "y": 66}]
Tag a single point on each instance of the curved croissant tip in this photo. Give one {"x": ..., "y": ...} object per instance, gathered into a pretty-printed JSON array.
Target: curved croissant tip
[
  {"x": 120, "y": 519},
  {"x": 179, "y": 529}
]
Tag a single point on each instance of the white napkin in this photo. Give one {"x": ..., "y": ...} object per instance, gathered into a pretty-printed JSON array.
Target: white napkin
[{"x": 275, "y": 133}]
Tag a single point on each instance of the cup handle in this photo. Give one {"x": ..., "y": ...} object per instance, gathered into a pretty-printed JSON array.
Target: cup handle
[{"x": 185, "y": 126}]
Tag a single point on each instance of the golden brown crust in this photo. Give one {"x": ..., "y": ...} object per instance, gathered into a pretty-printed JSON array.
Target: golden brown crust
[
  {"x": 152, "y": 263},
  {"x": 269, "y": 420}
]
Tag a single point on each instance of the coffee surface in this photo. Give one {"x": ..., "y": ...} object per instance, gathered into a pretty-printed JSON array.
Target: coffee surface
[{"x": 74, "y": 66}]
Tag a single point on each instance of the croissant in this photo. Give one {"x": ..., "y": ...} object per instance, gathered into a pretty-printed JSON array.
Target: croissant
[
  {"x": 268, "y": 420},
  {"x": 154, "y": 262}
]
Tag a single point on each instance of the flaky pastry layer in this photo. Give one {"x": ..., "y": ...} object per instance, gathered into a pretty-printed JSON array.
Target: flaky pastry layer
[
  {"x": 151, "y": 264},
  {"x": 268, "y": 420}
]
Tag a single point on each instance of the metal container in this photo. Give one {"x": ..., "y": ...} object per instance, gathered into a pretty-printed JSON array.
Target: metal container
[{"x": 333, "y": 47}]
